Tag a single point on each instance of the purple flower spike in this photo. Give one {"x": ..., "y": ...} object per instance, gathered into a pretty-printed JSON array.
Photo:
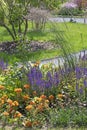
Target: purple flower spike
[
  {"x": 81, "y": 91},
  {"x": 3, "y": 65},
  {"x": 85, "y": 83}
]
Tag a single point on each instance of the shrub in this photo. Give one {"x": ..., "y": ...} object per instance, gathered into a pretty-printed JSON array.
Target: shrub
[{"x": 69, "y": 9}]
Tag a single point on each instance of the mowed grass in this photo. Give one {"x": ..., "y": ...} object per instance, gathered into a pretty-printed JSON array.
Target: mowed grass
[{"x": 74, "y": 33}]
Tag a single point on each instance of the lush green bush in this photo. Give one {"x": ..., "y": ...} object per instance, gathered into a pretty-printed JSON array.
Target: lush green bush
[
  {"x": 69, "y": 8},
  {"x": 69, "y": 11}
]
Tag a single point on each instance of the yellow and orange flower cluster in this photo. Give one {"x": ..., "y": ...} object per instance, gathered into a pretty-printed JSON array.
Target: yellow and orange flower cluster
[
  {"x": 33, "y": 104},
  {"x": 17, "y": 114}
]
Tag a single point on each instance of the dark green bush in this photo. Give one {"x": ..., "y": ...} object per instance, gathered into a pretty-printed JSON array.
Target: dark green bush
[{"x": 69, "y": 11}]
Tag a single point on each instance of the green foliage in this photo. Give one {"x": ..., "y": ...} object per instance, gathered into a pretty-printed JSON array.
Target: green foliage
[
  {"x": 68, "y": 117},
  {"x": 13, "y": 14},
  {"x": 59, "y": 106},
  {"x": 69, "y": 11}
]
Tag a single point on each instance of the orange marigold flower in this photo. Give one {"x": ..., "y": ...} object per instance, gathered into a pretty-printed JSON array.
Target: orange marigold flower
[
  {"x": 4, "y": 97},
  {"x": 1, "y": 87},
  {"x": 28, "y": 124},
  {"x": 32, "y": 103},
  {"x": 5, "y": 113},
  {"x": 17, "y": 115},
  {"x": 2, "y": 102},
  {"x": 51, "y": 97},
  {"x": 18, "y": 90},
  {"x": 26, "y": 97},
  {"x": 40, "y": 107},
  {"x": 9, "y": 101},
  {"x": 29, "y": 107},
  {"x": 43, "y": 96},
  {"x": 15, "y": 103},
  {"x": 60, "y": 95},
  {"x": 26, "y": 86}
]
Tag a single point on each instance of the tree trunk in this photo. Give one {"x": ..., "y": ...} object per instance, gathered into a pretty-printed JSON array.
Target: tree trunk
[{"x": 9, "y": 31}]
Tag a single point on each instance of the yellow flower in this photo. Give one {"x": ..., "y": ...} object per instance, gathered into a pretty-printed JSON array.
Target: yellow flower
[
  {"x": 26, "y": 86},
  {"x": 45, "y": 66},
  {"x": 60, "y": 95},
  {"x": 18, "y": 90},
  {"x": 5, "y": 113},
  {"x": 46, "y": 101},
  {"x": 37, "y": 99},
  {"x": 2, "y": 87},
  {"x": 2, "y": 102},
  {"x": 15, "y": 103},
  {"x": 29, "y": 107},
  {"x": 9, "y": 101},
  {"x": 4, "y": 97}
]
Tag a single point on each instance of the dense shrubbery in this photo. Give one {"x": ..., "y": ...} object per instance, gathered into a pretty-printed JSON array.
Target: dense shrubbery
[
  {"x": 69, "y": 9},
  {"x": 34, "y": 97}
]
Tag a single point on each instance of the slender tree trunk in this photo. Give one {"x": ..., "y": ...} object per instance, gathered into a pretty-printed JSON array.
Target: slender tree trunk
[
  {"x": 9, "y": 31},
  {"x": 13, "y": 28},
  {"x": 19, "y": 30},
  {"x": 26, "y": 27}
]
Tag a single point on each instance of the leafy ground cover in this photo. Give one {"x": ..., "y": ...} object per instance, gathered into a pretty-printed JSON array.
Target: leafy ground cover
[{"x": 33, "y": 97}]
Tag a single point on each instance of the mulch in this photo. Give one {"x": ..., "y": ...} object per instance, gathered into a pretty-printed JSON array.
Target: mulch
[{"x": 12, "y": 46}]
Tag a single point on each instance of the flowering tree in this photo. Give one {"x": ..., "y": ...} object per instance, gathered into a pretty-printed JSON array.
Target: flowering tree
[{"x": 81, "y": 3}]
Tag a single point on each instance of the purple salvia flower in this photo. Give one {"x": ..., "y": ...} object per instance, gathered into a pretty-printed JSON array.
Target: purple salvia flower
[
  {"x": 78, "y": 72},
  {"x": 3, "y": 65},
  {"x": 56, "y": 79},
  {"x": 85, "y": 71},
  {"x": 81, "y": 90},
  {"x": 85, "y": 83}
]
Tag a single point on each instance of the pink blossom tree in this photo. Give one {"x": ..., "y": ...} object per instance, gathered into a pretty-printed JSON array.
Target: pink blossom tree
[{"x": 81, "y": 3}]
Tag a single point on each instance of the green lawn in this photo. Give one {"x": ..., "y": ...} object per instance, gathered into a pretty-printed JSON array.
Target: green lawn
[{"x": 74, "y": 33}]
